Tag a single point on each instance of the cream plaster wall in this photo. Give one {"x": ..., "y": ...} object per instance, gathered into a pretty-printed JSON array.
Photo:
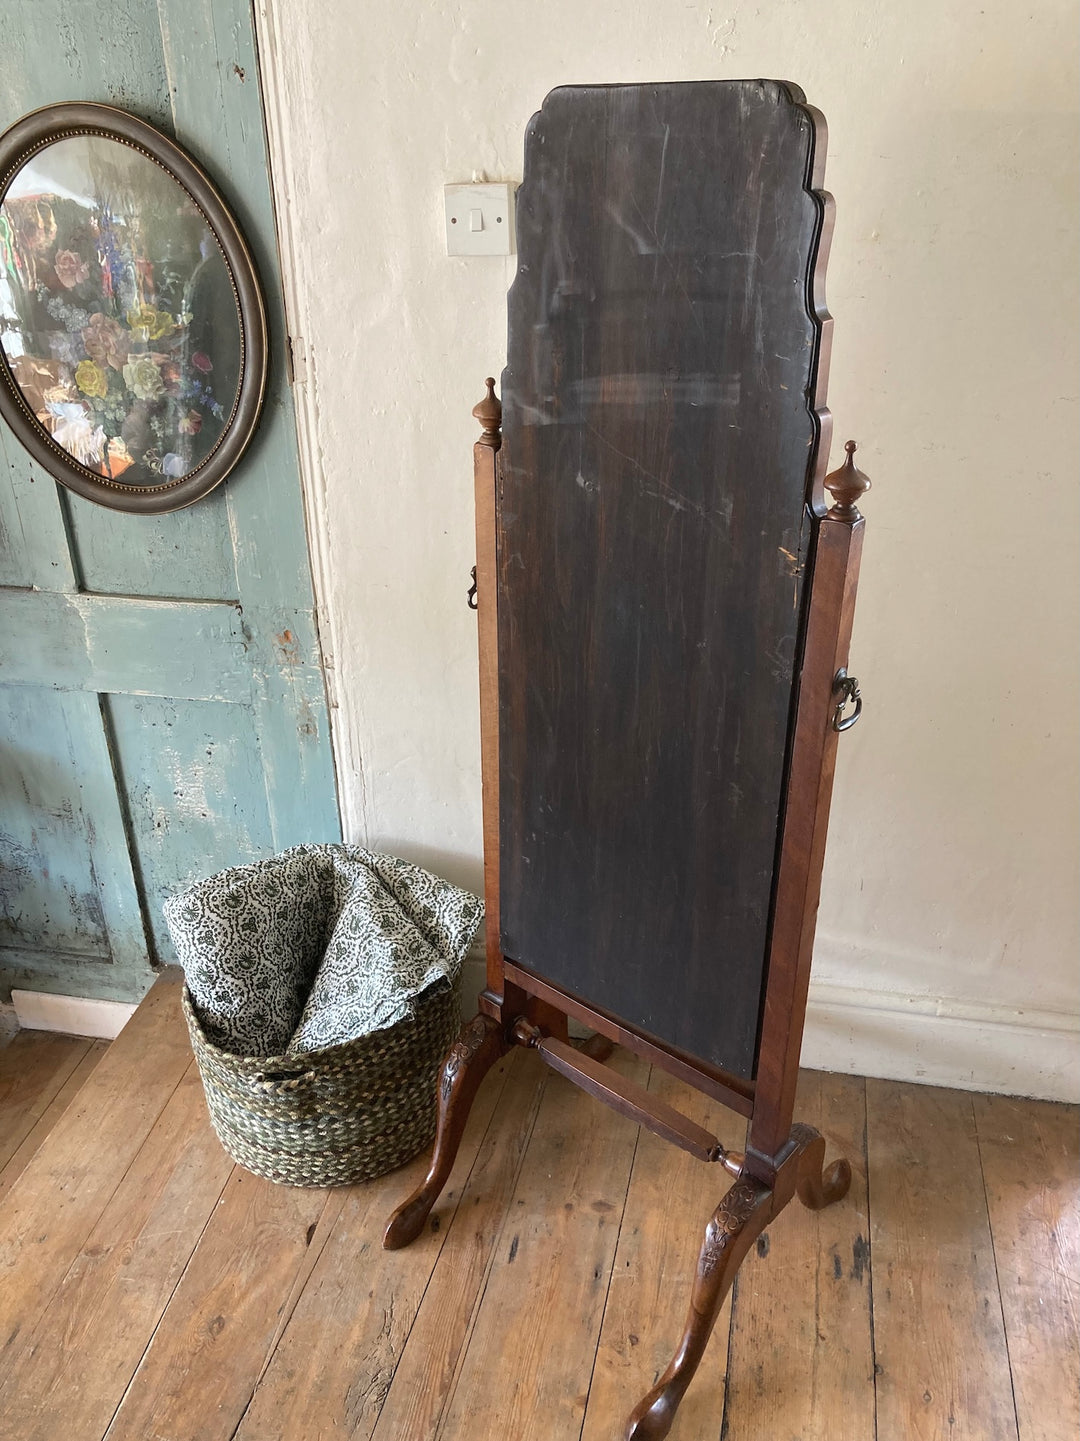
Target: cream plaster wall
[{"x": 948, "y": 928}]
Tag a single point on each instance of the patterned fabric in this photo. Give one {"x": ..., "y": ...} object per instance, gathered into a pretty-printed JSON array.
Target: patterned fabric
[
  {"x": 250, "y": 940},
  {"x": 318, "y": 945},
  {"x": 397, "y": 930}
]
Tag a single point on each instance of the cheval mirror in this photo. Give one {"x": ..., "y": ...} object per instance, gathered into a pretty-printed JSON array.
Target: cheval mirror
[{"x": 665, "y": 607}]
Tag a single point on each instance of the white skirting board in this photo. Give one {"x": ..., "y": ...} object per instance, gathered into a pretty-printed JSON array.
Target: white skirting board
[
  {"x": 969, "y": 1047},
  {"x": 935, "y": 1043},
  {"x": 73, "y": 1015}
]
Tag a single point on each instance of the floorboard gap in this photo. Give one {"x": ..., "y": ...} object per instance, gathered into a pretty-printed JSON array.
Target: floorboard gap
[
  {"x": 164, "y": 1310},
  {"x": 997, "y": 1273},
  {"x": 442, "y": 1246},
  {"x": 105, "y": 1204},
  {"x": 611, "y": 1272},
  {"x": 870, "y": 1250},
  {"x": 470, "y": 1330}
]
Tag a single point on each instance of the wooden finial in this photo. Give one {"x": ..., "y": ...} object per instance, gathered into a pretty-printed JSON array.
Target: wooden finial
[
  {"x": 489, "y": 414},
  {"x": 845, "y": 486}
]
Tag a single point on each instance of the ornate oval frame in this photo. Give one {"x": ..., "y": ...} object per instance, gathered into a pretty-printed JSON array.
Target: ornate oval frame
[{"x": 44, "y": 127}]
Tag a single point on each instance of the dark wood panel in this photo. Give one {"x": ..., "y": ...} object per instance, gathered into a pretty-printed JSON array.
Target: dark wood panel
[{"x": 652, "y": 541}]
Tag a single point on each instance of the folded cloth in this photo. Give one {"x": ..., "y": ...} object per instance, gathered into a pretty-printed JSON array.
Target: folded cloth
[
  {"x": 318, "y": 945},
  {"x": 397, "y": 930}
]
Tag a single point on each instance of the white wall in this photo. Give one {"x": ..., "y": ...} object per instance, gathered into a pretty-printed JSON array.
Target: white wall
[{"x": 948, "y": 928}]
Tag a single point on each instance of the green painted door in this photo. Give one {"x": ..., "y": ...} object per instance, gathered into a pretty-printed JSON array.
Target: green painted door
[{"x": 162, "y": 709}]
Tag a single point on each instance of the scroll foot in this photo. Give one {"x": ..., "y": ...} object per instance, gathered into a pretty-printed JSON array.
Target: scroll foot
[
  {"x": 467, "y": 1062},
  {"x": 818, "y": 1186},
  {"x": 736, "y": 1224}
]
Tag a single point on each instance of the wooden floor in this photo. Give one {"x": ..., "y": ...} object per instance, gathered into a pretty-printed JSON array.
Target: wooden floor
[{"x": 151, "y": 1291}]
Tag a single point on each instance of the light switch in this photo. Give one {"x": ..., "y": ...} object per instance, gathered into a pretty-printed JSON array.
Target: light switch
[{"x": 479, "y": 219}]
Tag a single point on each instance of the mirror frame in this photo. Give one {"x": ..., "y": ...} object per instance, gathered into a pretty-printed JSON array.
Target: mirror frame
[{"x": 18, "y": 144}]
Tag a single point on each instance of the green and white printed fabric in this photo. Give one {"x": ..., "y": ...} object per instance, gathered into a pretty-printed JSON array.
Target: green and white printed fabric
[{"x": 319, "y": 945}]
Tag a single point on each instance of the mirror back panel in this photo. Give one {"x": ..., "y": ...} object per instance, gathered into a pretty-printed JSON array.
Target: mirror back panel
[{"x": 653, "y": 538}]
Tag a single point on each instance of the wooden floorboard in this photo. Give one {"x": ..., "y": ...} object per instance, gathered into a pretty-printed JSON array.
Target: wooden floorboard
[
  {"x": 424, "y": 1379},
  {"x": 66, "y": 1185},
  {"x": 84, "y": 1348},
  {"x": 36, "y": 1127},
  {"x": 33, "y": 1069},
  {"x": 670, "y": 1199},
  {"x": 549, "y": 1277},
  {"x": 200, "y": 1368},
  {"x": 1030, "y": 1158},
  {"x": 333, "y": 1369},
  {"x": 150, "y": 1289},
  {"x": 800, "y": 1360},
  {"x": 939, "y": 1339}
]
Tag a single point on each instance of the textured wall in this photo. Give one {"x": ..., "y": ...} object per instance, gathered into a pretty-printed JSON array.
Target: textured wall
[{"x": 948, "y": 929}]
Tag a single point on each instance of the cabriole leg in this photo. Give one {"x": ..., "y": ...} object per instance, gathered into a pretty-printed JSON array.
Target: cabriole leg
[
  {"x": 737, "y": 1222},
  {"x": 467, "y": 1063}
]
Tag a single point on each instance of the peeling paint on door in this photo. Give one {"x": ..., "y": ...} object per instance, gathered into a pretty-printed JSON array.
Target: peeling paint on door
[{"x": 162, "y": 703}]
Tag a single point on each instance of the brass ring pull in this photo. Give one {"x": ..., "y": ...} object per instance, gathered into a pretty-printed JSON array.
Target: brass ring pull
[{"x": 847, "y": 688}]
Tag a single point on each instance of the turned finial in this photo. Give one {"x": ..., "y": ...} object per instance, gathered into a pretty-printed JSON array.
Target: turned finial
[
  {"x": 845, "y": 486},
  {"x": 489, "y": 414}
]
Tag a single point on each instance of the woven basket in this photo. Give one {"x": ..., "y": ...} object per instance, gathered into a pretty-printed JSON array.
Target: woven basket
[{"x": 327, "y": 1118}]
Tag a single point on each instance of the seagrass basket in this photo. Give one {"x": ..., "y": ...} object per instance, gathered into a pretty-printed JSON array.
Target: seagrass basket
[{"x": 327, "y": 1118}]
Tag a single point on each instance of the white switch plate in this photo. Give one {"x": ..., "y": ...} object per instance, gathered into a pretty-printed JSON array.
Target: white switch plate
[{"x": 479, "y": 219}]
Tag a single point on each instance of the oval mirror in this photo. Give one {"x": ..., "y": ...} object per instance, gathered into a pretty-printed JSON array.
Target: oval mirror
[{"x": 132, "y": 324}]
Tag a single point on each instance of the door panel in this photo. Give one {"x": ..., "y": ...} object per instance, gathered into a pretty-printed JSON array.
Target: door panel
[
  {"x": 70, "y": 907},
  {"x": 187, "y": 555},
  {"x": 33, "y": 539},
  {"x": 160, "y": 677},
  {"x": 191, "y": 777},
  {"x": 50, "y": 888},
  {"x": 198, "y": 650}
]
